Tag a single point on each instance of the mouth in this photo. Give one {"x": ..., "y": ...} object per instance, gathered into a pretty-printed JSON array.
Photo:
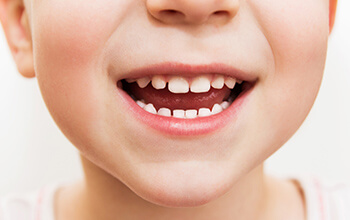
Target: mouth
[
  {"x": 186, "y": 100},
  {"x": 184, "y": 97}
]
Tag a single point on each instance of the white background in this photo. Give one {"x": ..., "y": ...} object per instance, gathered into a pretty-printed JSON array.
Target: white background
[{"x": 33, "y": 152}]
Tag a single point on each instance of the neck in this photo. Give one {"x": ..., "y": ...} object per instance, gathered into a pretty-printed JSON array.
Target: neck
[{"x": 105, "y": 197}]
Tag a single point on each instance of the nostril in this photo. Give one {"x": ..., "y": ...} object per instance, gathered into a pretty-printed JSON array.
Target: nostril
[
  {"x": 170, "y": 15},
  {"x": 192, "y": 11},
  {"x": 221, "y": 13},
  {"x": 171, "y": 12}
]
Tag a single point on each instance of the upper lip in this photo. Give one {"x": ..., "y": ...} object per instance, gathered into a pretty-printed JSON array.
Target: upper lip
[{"x": 188, "y": 70}]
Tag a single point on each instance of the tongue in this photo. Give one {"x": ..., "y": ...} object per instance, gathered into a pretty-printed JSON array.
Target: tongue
[{"x": 165, "y": 99}]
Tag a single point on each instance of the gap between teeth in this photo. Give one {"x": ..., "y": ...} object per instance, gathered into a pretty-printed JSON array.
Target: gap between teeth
[
  {"x": 189, "y": 113},
  {"x": 179, "y": 84}
]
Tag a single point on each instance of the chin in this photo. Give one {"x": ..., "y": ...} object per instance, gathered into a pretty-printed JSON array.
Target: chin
[{"x": 182, "y": 184}]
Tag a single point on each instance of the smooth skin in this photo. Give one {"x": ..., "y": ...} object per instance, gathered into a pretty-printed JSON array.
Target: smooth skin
[{"x": 78, "y": 50}]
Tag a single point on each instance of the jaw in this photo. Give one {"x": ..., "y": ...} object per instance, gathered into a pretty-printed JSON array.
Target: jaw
[{"x": 198, "y": 185}]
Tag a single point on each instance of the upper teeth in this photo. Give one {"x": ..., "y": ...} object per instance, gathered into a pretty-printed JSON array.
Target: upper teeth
[
  {"x": 158, "y": 82},
  {"x": 179, "y": 84},
  {"x": 143, "y": 82},
  {"x": 230, "y": 82},
  {"x": 218, "y": 82},
  {"x": 200, "y": 84}
]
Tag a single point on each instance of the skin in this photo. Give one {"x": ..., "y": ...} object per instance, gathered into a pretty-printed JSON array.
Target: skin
[{"x": 71, "y": 48}]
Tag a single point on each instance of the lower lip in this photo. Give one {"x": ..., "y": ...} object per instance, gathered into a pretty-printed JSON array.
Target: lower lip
[{"x": 186, "y": 127}]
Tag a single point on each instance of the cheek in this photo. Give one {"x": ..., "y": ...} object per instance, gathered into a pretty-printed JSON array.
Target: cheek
[
  {"x": 72, "y": 32},
  {"x": 68, "y": 42},
  {"x": 297, "y": 32}
]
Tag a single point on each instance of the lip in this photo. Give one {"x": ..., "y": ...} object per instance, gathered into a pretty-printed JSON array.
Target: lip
[
  {"x": 170, "y": 68},
  {"x": 188, "y": 127}
]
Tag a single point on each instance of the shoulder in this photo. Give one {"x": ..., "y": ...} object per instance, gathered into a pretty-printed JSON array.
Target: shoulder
[
  {"x": 29, "y": 206},
  {"x": 325, "y": 201}
]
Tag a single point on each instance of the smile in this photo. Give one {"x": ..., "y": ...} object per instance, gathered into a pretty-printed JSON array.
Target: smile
[{"x": 186, "y": 100}]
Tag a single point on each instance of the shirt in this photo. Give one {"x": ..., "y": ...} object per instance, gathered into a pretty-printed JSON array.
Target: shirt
[{"x": 37, "y": 205}]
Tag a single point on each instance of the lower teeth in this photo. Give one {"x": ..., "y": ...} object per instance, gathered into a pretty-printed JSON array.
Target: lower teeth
[{"x": 189, "y": 113}]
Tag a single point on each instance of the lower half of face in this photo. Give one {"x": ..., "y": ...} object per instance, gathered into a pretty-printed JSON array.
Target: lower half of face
[{"x": 179, "y": 111}]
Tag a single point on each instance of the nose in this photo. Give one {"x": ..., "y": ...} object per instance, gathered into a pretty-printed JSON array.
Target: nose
[{"x": 192, "y": 11}]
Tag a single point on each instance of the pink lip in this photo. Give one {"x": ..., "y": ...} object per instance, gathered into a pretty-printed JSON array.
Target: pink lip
[
  {"x": 188, "y": 127},
  {"x": 169, "y": 68}
]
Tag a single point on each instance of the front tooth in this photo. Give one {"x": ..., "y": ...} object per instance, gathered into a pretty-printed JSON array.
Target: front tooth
[
  {"x": 179, "y": 113},
  {"x": 150, "y": 108},
  {"x": 218, "y": 82},
  {"x": 158, "y": 82},
  {"x": 230, "y": 100},
  {"x": 216, "y": 109},
  {"x": 131, "y": 80},
  {"x": 225, "y": 105},
  {"x": 143, "y": 82},
  {"x": 178, "y": 85},
  {"x": 230, "y": 82},
  {"x": 141, "y": 103},
  {"x": 164, "y": 112},
  {"x": 204, "y": 112},
  {"x": 200, "y": 84},
  {"x": 191, "y": 113}
]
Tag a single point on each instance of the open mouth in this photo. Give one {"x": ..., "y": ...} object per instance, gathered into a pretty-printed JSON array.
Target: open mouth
[{"x": 185, "y": 97}]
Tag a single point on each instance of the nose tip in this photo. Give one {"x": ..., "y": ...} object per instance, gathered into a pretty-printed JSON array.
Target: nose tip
[{"x": 192, "y": 11}]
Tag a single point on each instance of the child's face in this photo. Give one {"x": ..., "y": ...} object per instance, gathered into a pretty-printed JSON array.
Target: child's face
[{"x": 83, "y": 48}]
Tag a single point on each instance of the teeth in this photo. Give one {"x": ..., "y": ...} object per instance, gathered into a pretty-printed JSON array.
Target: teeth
[
  {"x": 216, "y": 109},
  {"x": 143, "y": 82},
  {"x": 141, "y": 103},
  {"x": 192, "y": 113},
  {"x": 131, "y": 80},
  {"x": 178, "y": 113},
  {"x": 200, "y": 84},
  {"x": 164, "y": 112},
  {"x": 230, "y": 100},
  {"x": 150, "y": 108},
  {"x": 218, "y": 82},
  {"x": 225, "y": 105},
  {"x": 230, "y": 82},
  {"x": 158, "y": 82},
  {"x": 178, "y": 85},
  {"x": 203, "y": 112}
]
